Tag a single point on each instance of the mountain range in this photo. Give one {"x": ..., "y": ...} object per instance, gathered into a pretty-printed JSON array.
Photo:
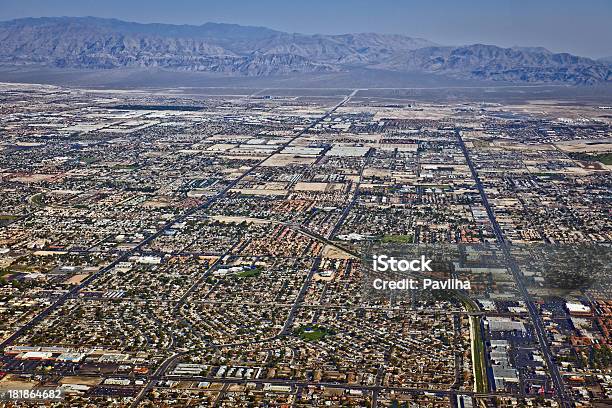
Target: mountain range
[{"x": 229, "y": 49}]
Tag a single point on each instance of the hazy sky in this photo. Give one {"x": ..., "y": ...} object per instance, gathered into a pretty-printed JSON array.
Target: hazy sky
[{"x": 582, "y": 27}]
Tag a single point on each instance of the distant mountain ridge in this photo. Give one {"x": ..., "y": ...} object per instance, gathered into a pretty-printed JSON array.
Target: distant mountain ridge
[
  {"x": 489, "y": 62},
  {"x": 89, "y": 42}
]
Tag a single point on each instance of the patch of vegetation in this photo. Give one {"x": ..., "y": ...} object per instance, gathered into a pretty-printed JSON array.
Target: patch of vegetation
[
  {"x": 605, "y": 158},
  {"x": 249, "y": 273},
  {"x": 479, "y": 357},
  {"x": 480, "y": 366},
  {"x": 312, "y": 332},
  {"x": 38, "y": 200},
  {"x": 601, "y": 357}
]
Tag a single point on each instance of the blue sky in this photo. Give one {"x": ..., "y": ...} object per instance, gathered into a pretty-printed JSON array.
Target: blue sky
[{"x": 581, "y": 27}]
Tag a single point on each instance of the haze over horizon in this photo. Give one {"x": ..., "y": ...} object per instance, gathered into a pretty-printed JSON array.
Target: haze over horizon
[
  {"x": 560, "y": 26},
  {"x": 275, "y": 203}
]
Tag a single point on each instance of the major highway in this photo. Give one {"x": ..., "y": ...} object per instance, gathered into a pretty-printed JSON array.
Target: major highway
[
  {"x": 518, "y": 278},
  {"x": 168, "y": 362}
]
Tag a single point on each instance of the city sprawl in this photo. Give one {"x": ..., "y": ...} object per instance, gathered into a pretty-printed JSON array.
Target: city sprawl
[{"x": 177, "y": 249}]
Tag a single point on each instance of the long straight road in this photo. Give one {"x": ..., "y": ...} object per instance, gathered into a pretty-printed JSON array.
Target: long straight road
[
  {"x": 518, "y": 278},
  {"x": 167, "y": 226},
  {"x": 170, "y": 360}
]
